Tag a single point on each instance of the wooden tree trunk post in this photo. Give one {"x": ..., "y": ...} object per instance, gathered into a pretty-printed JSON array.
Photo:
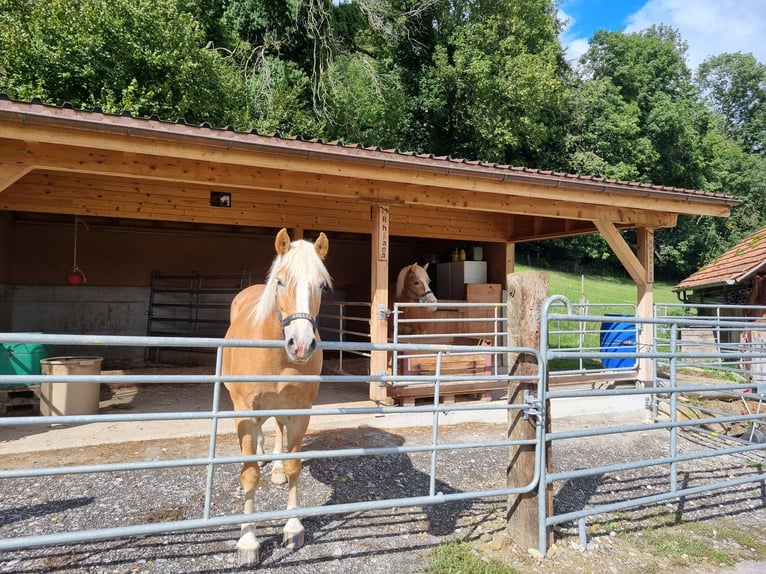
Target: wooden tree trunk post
[{"x": 526, "y": 295}]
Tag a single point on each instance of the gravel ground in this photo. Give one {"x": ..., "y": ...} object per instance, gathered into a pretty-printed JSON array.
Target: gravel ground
[{"x": 396, "y": 541}]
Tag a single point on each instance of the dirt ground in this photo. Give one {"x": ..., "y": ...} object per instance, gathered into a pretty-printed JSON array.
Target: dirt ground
[{"x": 655, "y": 538}]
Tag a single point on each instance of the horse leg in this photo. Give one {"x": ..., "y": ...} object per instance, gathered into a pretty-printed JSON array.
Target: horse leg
[
  {"x": 248, "y": 545},
  {"x": 278, "y": 470},
  {"x": 259, "y": 445},
  {"x": 293, "y": 533}
]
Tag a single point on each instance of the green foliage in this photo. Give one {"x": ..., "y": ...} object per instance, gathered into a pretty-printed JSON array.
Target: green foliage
[
  {"x": 734, "y": 85},
  {"x": 494, "y": 84},
  {"x": 144, "y": 56},
  {"x": 477, "y": 79}
]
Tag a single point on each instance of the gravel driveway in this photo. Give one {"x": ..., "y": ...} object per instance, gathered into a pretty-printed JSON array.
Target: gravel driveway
[{"x": 396, "y": 541}]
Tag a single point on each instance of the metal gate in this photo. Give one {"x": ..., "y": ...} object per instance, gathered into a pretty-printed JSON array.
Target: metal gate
[
  {"x": 684, "y": 364},
  {"x": 687, "y": 369},
  {"x": 215, "y": 415}
]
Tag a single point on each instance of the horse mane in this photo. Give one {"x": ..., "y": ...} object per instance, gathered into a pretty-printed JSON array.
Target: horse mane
[
  {"x": 401, "y": 280},
  {"x": 303, "y": 262}
]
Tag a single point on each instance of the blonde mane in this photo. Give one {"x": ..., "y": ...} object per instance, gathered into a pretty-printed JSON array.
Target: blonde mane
[
  {"x": 401, "y": 280},
  {"x": 304, "y": 264}
]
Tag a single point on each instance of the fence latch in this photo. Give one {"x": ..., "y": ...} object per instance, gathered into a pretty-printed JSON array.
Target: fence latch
[{"x": 383, "y": 313}]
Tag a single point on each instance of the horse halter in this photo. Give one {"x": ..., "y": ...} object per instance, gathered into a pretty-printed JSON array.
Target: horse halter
[
  {"x": 420, "y": 296},
  {"x": 284, "y": 322}
]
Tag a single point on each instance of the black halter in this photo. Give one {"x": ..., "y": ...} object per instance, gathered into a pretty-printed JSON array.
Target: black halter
[{"x": 292, "y": 317}]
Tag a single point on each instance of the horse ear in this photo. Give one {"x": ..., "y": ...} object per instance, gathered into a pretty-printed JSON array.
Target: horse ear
[
  {"x": 425, "y": 267},
  {"x": 322, "y": 245},
  {"x": 282, "y": 242}
]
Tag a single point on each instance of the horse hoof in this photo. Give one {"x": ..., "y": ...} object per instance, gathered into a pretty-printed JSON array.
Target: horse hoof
[
  {"x": 247, "y": 548},
  {"x": 278, "y": 477},
  {"x": 293, "y": 534},
  {"x": 293, "y": 541},
  {"x": 247, "y": 557}
]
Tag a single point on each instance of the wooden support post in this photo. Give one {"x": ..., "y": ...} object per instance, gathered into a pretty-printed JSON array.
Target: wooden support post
[
  {"x": 379, "y": 291},
  {"x": 526, "y": 295},
  {"x": 645, "y": 307},
  {"x": 640, "y": 266}
]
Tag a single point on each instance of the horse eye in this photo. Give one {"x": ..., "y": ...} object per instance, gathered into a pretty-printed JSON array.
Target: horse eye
[{"x": 280, "y": 283}]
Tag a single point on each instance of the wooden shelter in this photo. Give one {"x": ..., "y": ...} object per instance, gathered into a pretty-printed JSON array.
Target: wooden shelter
[
  {"x": 67, "y": 162},
  {"x": 729, "y": 278}
]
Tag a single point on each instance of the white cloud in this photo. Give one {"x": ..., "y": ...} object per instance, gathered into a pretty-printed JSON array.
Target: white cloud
[
  {"x": 574, "y": 46},
  {"x": 710, "y": 27}
]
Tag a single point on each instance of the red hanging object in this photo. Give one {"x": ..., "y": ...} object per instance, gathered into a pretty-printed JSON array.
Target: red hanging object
[{"x": 75, "y": 276}]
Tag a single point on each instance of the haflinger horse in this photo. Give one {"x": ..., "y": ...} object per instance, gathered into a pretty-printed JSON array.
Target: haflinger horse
[
  {"x": 413, "y": 286},
  {"x": 283, "y": 309}
]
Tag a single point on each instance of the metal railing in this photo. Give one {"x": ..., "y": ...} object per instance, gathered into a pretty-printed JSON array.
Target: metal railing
[
  {"x": 670, "y": 389},
  {"x": 214, "y": 415}
]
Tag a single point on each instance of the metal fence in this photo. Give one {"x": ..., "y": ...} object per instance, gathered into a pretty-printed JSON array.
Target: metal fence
[
  {"x": 685, "y": 374},
  {"x": 214, "y": 414}
]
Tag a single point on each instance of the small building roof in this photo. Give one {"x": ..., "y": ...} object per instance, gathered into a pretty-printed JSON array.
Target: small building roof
[{"x": 734, "y": 267}]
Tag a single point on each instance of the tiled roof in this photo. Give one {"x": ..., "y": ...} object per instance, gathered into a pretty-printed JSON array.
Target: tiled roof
[
  {"x": 738, "y": 264},
  {"x": 317, "y": 147}
]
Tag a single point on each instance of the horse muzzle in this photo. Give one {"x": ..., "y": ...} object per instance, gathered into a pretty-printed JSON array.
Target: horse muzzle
[{"x": 300, "y": 336}]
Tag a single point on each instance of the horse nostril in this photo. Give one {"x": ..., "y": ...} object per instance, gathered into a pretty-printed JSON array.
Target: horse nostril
[
  {"x": 291, "y": 343},
  {"x": 313, "y": 345}
]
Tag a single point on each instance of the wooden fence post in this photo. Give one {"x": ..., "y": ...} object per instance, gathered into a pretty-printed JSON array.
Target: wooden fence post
[{"x": 526, "y": 295}]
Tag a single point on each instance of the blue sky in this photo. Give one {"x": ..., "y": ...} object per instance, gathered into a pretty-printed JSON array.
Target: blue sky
[{"x": 710, "y": 27}]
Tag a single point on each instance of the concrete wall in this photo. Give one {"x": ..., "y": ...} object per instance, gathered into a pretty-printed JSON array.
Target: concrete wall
[
  {"x": 82, "y": 310},
  {"x": 35, "y": 256}
]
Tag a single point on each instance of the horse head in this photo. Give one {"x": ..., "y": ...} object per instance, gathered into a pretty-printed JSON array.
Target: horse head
[
  {"x": 297, "y": 279},
  {"x": 413, "y": 285}
]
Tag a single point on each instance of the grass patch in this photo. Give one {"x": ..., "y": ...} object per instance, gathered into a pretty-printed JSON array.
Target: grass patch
[
  {"x": 459, "y": 558},
  {"x": 601, "y": 290},
  {"x": 715, "y": 542}
]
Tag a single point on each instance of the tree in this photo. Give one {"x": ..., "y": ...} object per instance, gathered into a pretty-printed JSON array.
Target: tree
[
  {"x": 141, "y": 56},
  {"x": 494, "y": 86},
  {"x": 734, "y": 85}
]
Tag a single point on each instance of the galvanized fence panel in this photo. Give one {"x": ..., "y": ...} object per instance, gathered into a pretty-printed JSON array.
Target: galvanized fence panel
[
  {"x": 215, "y": 415},
  {"x": 679, "y": 367}
]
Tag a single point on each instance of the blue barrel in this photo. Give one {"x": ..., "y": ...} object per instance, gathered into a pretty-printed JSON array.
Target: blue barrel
[{"x": 618, "y": 337}]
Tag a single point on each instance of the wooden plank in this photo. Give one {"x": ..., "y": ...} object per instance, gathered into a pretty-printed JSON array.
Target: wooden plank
[{"x": 235, "y": 168}]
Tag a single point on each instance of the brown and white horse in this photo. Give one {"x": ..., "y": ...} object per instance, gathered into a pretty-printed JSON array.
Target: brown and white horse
[
  {"x": 283, "y": 309},
  {"x": 413, "y": 286}
]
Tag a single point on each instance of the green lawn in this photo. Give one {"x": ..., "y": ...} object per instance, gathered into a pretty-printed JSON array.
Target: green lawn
[
  {"x": 604, "y": 295},
  {"x": 601, "y": 289}
]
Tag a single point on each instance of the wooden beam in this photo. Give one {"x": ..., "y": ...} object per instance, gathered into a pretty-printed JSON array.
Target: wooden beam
[
  {"x": 388, "y": 185},
  {"x": 645, "y": 306},
  {"x": 526, "y": 294},
  {"x": 379, "y": 290},
  {"x": 623, "y": 251},
  {"x": 10, "y": 173}
]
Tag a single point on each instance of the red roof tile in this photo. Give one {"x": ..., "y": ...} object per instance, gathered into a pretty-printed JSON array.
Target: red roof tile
[{"x": 738, "y": 264}]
